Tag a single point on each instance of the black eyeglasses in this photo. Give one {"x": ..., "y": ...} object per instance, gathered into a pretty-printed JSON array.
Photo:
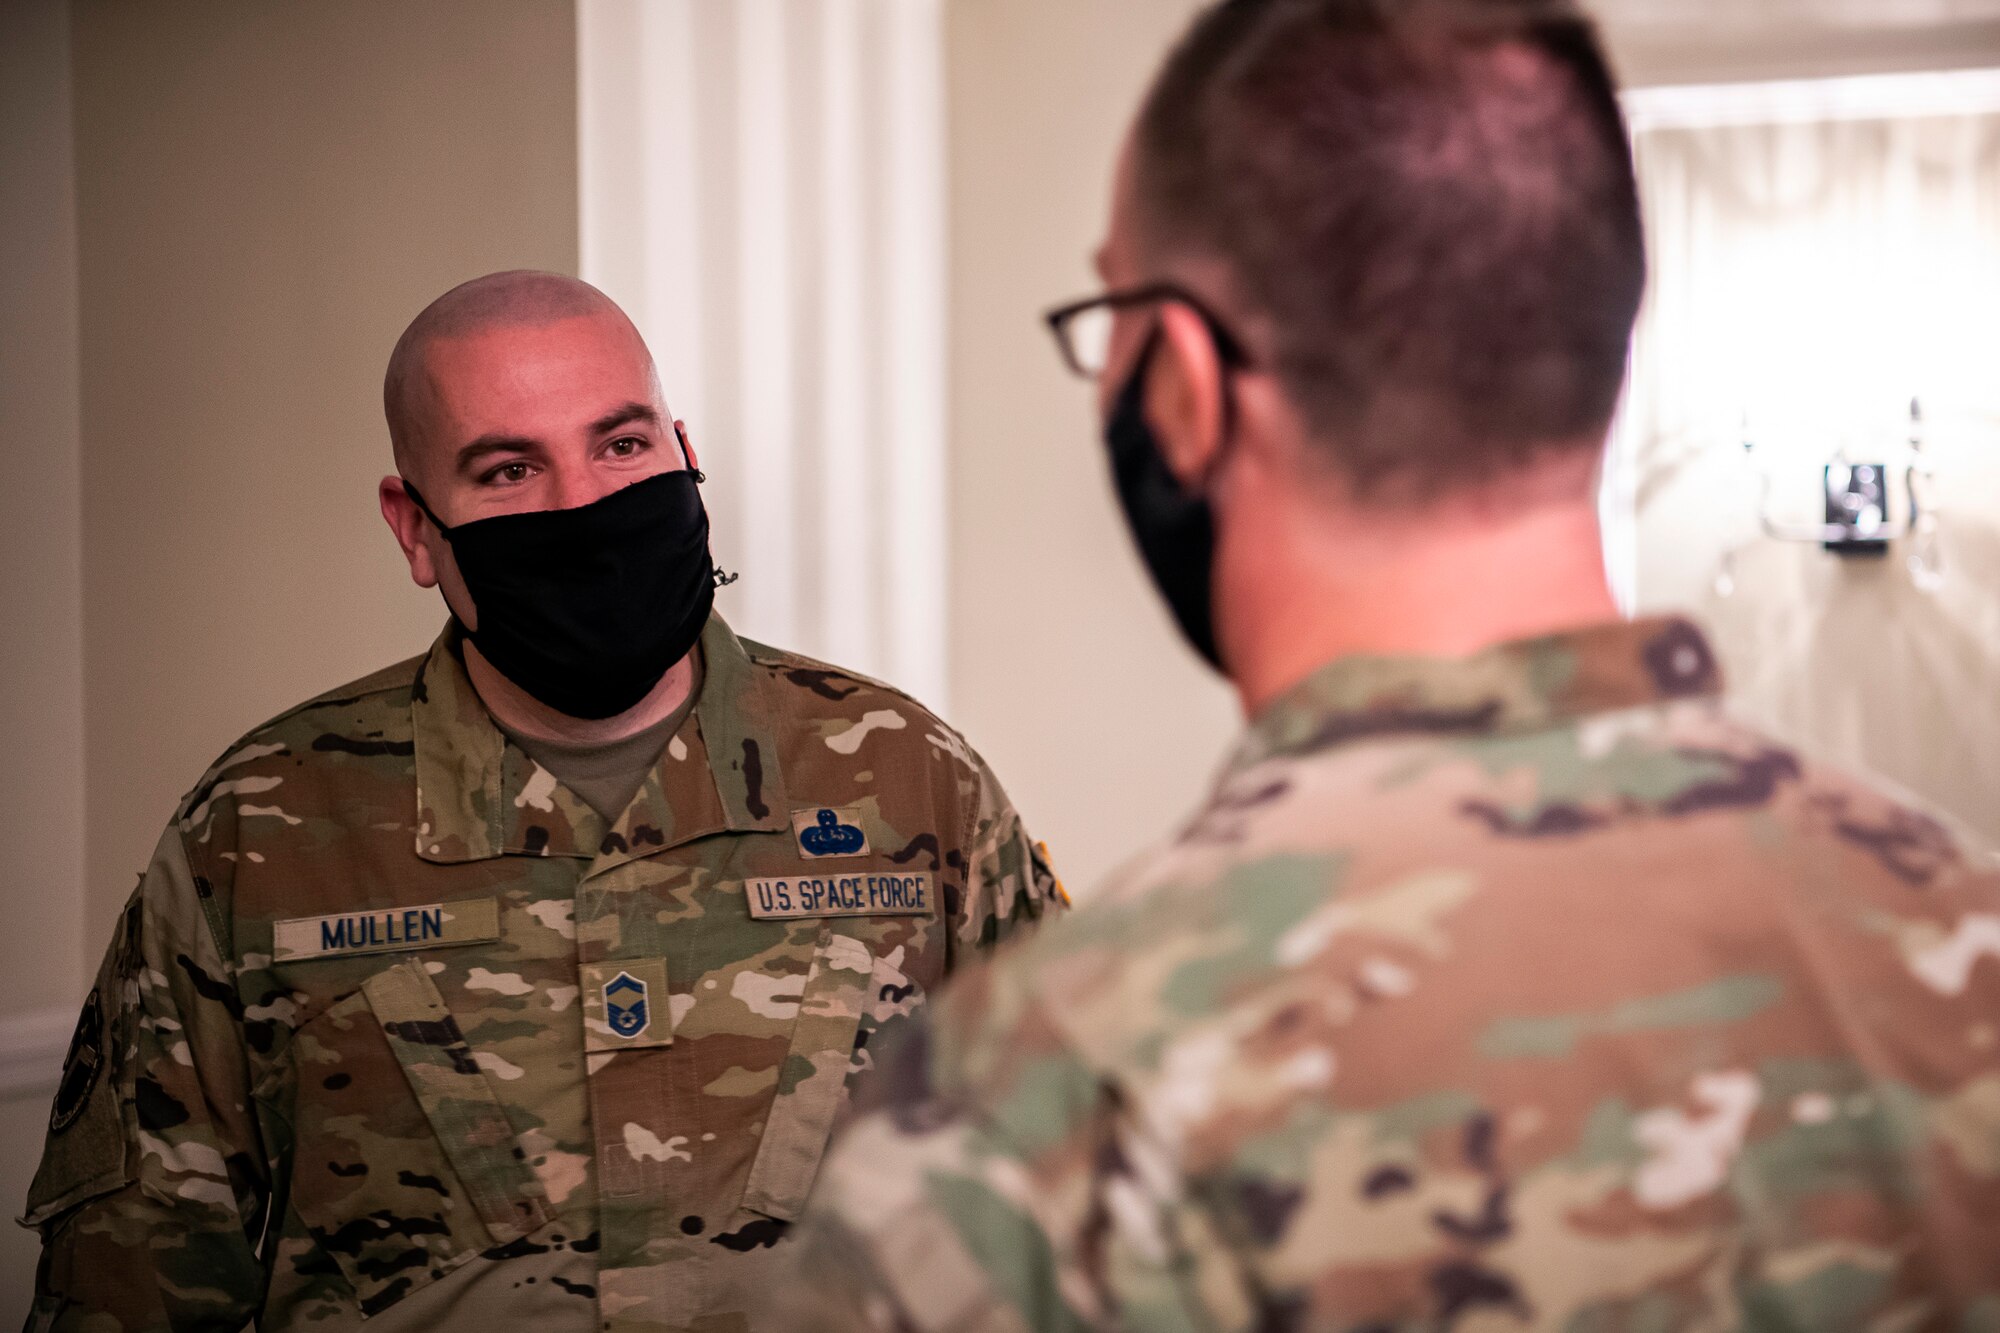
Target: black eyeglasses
[{"x": 1082, "y": 329}]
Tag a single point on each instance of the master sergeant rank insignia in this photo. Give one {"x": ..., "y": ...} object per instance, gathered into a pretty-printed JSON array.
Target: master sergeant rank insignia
[{"x": 625, "y": 1005}]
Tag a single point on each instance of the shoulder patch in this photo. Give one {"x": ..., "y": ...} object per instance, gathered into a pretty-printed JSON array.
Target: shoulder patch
[
  {"x": 81, "y": 1066},
  {"x": 1047, "y": 867}
]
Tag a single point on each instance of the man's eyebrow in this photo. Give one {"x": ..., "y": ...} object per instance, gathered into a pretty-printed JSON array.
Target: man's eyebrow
[
  {"x": 485, "y": 446},
  {"x": 624, "y": 416}
]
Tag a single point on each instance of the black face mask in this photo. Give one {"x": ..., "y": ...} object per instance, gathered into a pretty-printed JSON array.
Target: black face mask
[
  {"x": 587, "y": 608},
  {"x": 1175, "y": 530}
]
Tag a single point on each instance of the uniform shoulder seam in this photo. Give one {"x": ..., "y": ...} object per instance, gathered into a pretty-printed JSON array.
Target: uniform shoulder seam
[
  {"x": 763, "y": 654},
  {"x": 396, "y": 676},
  {"x": 401, "y": 675}
]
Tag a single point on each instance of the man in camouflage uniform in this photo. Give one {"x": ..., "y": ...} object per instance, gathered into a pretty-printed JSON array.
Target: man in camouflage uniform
[
  {"x": 1504, "y": 981},
  {"x": 401, "y": 1028}
]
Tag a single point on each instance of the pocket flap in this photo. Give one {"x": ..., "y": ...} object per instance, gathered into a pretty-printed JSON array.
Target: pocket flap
[
  {"x": 470, "y": 1124},
  {"x": 813, "y": 1076}
]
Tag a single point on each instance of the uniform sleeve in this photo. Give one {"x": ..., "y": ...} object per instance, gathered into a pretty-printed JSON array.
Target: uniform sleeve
[
  {"x": 153, "y": 1184},
  {"x": 926, "y": 1233},
  {"x": 1009, "y": 886},
  {"x": 997, "y": 1187}
]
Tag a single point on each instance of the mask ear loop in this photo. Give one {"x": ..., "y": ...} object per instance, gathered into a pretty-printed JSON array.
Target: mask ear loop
[
  {"x": 1221, "y": 455},
  {"x": 687, "y": 455},
  {"x": 416, "y": 498},
  {"x": 1230, "y": 358},
  {"x": 722, "y": 577},
  {"x": 1142, "y": 367}
]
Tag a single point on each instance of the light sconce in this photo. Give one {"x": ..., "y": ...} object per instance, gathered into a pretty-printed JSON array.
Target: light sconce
[{"x": 1860, "y": 520}]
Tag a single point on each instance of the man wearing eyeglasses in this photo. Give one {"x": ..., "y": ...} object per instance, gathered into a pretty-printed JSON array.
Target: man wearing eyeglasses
[
  {"x": 518, "y": 985},
  {"x": 1504, "y": 981}
]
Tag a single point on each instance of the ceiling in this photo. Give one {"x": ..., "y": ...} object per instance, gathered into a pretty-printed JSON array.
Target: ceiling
[{"x": 1704, "y": 41}]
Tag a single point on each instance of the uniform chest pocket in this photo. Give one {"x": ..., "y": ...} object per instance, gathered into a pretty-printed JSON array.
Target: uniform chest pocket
[
  {"x": 404, "y": 1164},
  {"x": 813, "y": 1079}
]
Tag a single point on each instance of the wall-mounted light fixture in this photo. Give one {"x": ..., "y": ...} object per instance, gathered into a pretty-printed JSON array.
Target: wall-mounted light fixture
[{"x": 1862, "y": 518}]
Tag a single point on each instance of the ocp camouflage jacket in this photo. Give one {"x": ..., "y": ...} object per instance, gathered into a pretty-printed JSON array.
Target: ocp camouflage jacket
[{"x": 396, "y": 1028}]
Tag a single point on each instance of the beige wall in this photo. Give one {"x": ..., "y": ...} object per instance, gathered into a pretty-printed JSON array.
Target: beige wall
[
  {"x": 216, "y": 218},
  {"x": 266, "y": 195},
  {"x": 41, "y": 580},
  {"x": 41, "y": 591},
  {"x": 1066, "y": 671}
]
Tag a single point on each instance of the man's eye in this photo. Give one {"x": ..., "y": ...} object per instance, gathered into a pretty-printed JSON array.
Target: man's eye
[
  {"x": 512, "y": 473},
  {"x": 626, "y": 447}
]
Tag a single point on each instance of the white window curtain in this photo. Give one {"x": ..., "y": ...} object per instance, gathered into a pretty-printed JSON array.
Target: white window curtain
[
  {"x": 762, "y": 187},
  {"x": 1823, "y": 255}
]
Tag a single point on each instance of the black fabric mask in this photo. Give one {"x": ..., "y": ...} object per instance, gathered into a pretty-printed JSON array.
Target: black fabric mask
[
  {"x": 587, "y": 608},
  {"x": 1175, "y": 530}
]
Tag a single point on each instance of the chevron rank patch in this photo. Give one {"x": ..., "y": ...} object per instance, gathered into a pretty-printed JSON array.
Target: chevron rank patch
[{"x": 625, "y": 1005}]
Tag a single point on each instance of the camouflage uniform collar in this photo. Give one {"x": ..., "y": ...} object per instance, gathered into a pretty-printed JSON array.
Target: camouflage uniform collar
[
  {"x": 1523, "y": 686},
  {"x": 479, "y": 797}
]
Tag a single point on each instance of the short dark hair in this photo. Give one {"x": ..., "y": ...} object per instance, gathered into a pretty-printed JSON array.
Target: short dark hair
[{"x": 1428, "y": 206}]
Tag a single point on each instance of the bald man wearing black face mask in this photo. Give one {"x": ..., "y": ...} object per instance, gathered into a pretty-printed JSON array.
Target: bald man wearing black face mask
[{"x": 520, "y": 984}]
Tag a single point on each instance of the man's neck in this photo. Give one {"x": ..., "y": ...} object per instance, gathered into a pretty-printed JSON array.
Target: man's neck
[
  {"x": 520, "y": 712},
  {"x": 1299, "y": 589}
]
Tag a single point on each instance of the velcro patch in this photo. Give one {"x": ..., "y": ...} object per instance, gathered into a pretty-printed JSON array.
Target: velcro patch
[
  {"x": 825, "y": 833},
  {"x": 435, "y": 925},
  {"x": 80, "y": 1066},
  {"x": 796, "y": 896},
  {"x": 625, "y": 1005}
]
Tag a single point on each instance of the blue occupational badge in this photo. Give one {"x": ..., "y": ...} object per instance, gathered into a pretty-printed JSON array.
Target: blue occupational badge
[
  {"x": 625, "y": 1010},
  {"x": 824, "y": 833}
]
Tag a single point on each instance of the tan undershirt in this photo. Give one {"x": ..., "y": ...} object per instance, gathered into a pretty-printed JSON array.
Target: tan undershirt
[{"x": 607, "y": 777}]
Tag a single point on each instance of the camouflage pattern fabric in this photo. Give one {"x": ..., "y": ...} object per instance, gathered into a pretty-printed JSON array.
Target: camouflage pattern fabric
[
  {"x": 1525, "y": 992},
  {"x": 397, "y": 1029}
]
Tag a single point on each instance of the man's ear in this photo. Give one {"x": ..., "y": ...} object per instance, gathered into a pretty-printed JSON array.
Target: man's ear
[
  {"x": 1186, "y": 396},
  {"x": 407, "y": 522}
]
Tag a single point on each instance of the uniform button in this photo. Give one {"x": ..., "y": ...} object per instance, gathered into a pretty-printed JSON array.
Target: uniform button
[{"x": 692, "y": 1225}]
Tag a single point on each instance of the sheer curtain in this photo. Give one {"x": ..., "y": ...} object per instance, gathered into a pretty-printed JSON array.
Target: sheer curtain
[
  {"x": 762, "y": 186},
  {"x": 1814, "y": 274}
]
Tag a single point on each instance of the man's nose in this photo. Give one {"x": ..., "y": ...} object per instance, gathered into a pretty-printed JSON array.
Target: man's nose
[{"x": 575, "y": 487}]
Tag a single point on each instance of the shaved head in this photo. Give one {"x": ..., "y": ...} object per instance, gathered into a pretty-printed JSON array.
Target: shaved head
[{"x": 517, "y": 298}]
